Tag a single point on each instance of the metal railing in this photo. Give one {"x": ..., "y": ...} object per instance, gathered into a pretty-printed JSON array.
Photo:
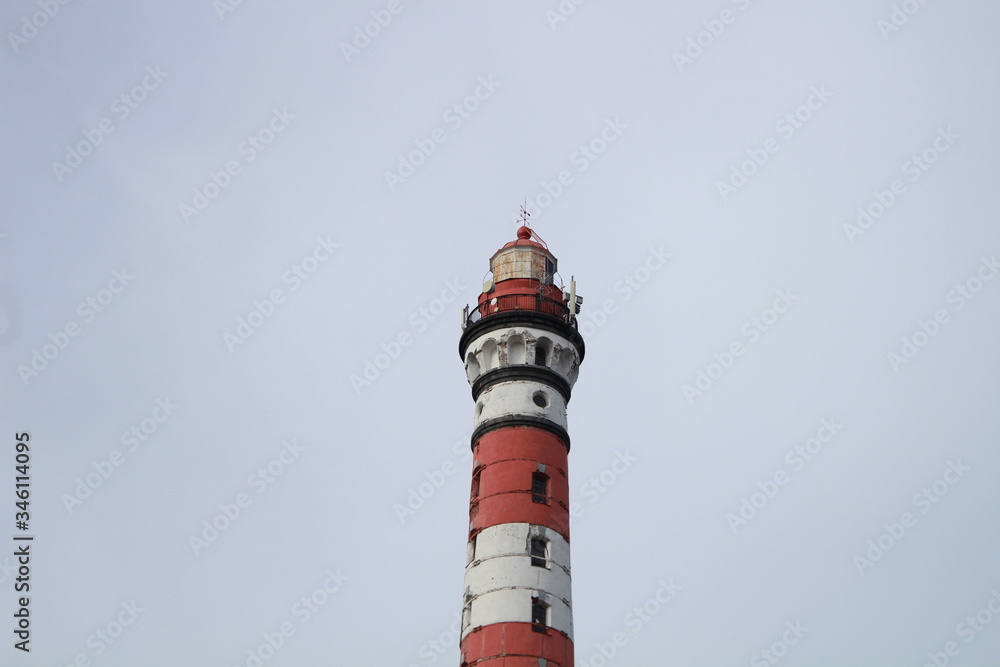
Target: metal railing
[{"x": 510, "y": 302}]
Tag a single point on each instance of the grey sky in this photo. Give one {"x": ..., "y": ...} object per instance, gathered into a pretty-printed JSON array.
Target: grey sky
[{"x": 288, "y": 136}]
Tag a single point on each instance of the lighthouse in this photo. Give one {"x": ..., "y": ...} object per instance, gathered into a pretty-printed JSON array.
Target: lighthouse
[{"x": 522, "y": 353}]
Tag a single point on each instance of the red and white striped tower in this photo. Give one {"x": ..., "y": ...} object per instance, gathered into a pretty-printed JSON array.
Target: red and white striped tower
[{"x": 522, "y": 353}]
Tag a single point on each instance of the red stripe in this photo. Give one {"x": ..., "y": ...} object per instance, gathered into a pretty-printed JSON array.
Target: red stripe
[
  {"x": 515, "y": 645},
  {"x": 515, "y": 477},
  {"x": 521, "y": 442}
]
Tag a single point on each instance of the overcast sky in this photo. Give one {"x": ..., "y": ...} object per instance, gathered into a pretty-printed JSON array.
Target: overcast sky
[{"x": 237, "y": 239}]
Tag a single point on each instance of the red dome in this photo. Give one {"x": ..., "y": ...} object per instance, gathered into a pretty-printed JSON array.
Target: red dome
[{"x": 527, "y": 236}]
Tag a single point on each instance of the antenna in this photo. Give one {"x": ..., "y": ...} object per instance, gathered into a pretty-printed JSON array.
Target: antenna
[{"x": 538, "y": 238}]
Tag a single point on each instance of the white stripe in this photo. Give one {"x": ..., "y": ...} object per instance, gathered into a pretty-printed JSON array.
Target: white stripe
[
  {"x": 514, "y": 606},
  {"x": 512, "y": 538},
  {"x": 516, "y": 398}
]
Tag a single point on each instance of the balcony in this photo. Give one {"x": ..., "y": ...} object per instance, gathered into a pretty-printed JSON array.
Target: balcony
[{"x": 513, "y": 302}]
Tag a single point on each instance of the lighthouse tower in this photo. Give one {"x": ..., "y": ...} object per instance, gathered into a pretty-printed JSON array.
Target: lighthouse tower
[{"x": 522, "y": 353}]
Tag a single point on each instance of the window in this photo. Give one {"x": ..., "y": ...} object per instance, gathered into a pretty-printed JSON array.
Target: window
[
  {"x": 539, "y": 615},
  {"x": 540, "y": 487},
  {"x": 538, "y": 548},
  {"x": 540, "y": 399},
  {"x": 543, "y": 351},
  {"x": 539, "y": 355}
]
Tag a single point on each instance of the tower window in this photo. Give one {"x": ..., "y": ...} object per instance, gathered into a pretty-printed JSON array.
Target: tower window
[
  {"x": 540, "y": 399},
  {"x": 539, "y": 615},
  {"x": 543, "y": 351},
  {"x": 540, "y": 487},
  {"x": 538, "y": 547}
]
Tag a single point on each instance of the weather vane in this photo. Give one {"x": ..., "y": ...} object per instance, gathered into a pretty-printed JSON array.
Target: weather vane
[{"x": 524, "y": 214}]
